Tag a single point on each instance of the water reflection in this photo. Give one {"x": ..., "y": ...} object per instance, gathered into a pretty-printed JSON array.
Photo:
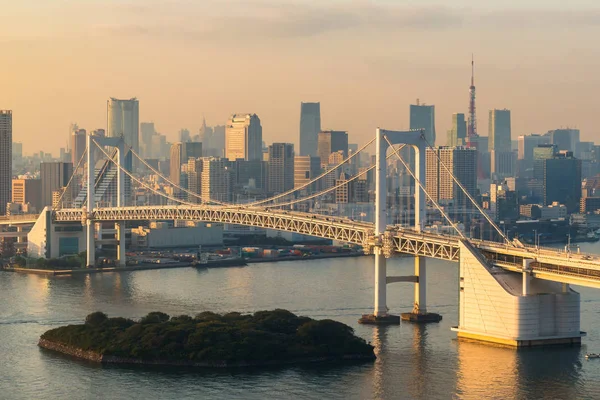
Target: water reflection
[{"x": 486, "y": 371}]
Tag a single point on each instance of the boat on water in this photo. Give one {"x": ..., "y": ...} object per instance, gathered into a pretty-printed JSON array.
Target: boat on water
[{"x": 592, "y": 355}]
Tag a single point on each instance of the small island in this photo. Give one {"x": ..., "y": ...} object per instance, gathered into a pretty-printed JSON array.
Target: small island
[{"x": 274, "y": 337}]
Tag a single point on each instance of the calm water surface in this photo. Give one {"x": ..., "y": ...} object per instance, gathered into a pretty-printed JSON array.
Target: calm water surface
[{"x": 414, "y": 362}]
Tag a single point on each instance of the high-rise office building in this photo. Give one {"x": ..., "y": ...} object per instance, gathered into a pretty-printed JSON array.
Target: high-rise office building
[
  {"x": 180, "y": 154},
  {"x": 184, "y": 135},
  {"x": 5, "y": 158},
  {"x": 526, "y": 144},
  {"x": 124, "y": 120},
  {"x": 306, "y": 168},
  {"x": 562, "y": 180},
  {"x": 564, "y": 139},
  {"x": 213, "y": 140},
  {"x": 502, "y": 164},
  {"x": 194, "y": 179},
  {"x": 462, "y": 161},
  {"x": 249, "y": 174},
  {"x": 54, "y": 176},
  {"x": 281, "y": 167},
  {"x": 331, "y": 142},
  {"x": 146, "y": 133},
  {"x": 457, "y": 136},
  {"x": 310, "y": 126},
  {"x": 243, "y": 137},
  {"x": 423, "y": 117},
  {"x": 499, "y": 133},
  {"x": 215, "y": 179},
  {"x": 541, "y": 153},
  {"x": 27, "y": 191},
  {"x": 78, "y": 145}
]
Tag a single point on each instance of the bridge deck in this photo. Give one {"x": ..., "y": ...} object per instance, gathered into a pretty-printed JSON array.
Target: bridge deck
[{"x": 549, "y": 264}]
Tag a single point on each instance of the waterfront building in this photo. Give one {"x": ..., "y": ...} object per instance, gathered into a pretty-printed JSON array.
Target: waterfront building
[{"x": 5, "y": 158}]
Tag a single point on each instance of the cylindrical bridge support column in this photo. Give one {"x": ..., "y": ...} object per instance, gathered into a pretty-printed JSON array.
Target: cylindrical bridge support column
[
  {"x": 526, "y": 276},
  {"x": 420, "y": 306},
  {"x": 90, "y": 245},
  {"x": 120, "y": 236},
  {"x": 380, "y": 283}
]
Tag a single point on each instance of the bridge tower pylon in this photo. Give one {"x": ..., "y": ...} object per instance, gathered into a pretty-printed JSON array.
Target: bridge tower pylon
[
  {"x": 383, "y": 140},
  {"x": 119, "y": 144}
]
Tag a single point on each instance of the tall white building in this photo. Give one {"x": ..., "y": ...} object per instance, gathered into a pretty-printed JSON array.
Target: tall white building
[
  {"x": 215, "y": 179},
  {"x": 243, "y": 137},
  {"x": 5, "y": 159},
  {"x": 123, "y": 119}
]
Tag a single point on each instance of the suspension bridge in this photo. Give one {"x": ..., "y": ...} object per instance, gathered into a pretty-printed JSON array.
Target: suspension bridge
[{"x": 509, "y": 293}]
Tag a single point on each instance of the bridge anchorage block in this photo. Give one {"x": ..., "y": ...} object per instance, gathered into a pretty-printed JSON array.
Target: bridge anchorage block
[{"x": 371, "y": 319}]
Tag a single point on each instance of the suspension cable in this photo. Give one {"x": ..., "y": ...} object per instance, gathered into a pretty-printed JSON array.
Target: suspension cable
[
  {"x": 70, "y": 179},
  {"x": 396, "y": 152},
  {"x": 312, "y": 181},
  {"x": 466, "y": 192},
  {"x": 171, "y": 183},
  {"x": 142, "y": 183},
  {"x": 323, "y": 192}
]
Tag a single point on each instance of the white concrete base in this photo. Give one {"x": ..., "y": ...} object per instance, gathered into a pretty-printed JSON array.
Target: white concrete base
[{"x": 493, "y": 308}]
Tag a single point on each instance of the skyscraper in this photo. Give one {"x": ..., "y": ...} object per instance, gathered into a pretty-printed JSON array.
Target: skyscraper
[
  {"x": 184, "y": 135},
  {"x": 180, "y": 154},
  {"x": 499, "y": 133},
  {"x": 462, "y": 161},
  {"x": 331, "y": 142},
  {"x": 146, "y": 133},
  {"x": 562, "y": 180},
  {"x": 306, "y": 168},
  {"x": 124, "y": 120},
  {"x": 281, "y": 167},
  {"x": 243, "y": 137},
  {"x": 78, "y": 145},
  {"x": 310, "y": 126},
  {"x": 215, "y": 179},
  {"x": 5, "y": 158},
  {"x": 457, "y": 136},
  {"x": 54, "y": 176},
  {"x": 423, "y": 117},
  {"x": 26, "y": 191}
]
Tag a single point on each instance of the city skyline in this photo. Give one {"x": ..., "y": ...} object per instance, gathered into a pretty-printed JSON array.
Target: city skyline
[{"x": 358, "y": 90}]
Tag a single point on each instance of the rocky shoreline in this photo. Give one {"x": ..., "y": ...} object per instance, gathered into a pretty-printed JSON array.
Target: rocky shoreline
[{"x": 107, "y": 359}]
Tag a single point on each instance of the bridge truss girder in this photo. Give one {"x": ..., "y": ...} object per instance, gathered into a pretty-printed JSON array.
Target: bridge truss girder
[{"x": 322, "y": 228}]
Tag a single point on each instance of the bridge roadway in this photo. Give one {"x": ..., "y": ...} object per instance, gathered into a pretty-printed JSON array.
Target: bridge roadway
[{"x": 550, "y": 264}]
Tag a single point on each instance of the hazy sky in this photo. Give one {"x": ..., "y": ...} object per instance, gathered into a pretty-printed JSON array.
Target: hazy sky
[{"x": 365, "y": 61}]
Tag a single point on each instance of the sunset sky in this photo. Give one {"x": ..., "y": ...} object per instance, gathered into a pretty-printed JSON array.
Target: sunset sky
[{"x": 365, "y": 61}]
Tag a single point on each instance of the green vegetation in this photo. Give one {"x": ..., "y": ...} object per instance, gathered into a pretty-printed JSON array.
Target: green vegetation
[{"x": 265, "y": 337}]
